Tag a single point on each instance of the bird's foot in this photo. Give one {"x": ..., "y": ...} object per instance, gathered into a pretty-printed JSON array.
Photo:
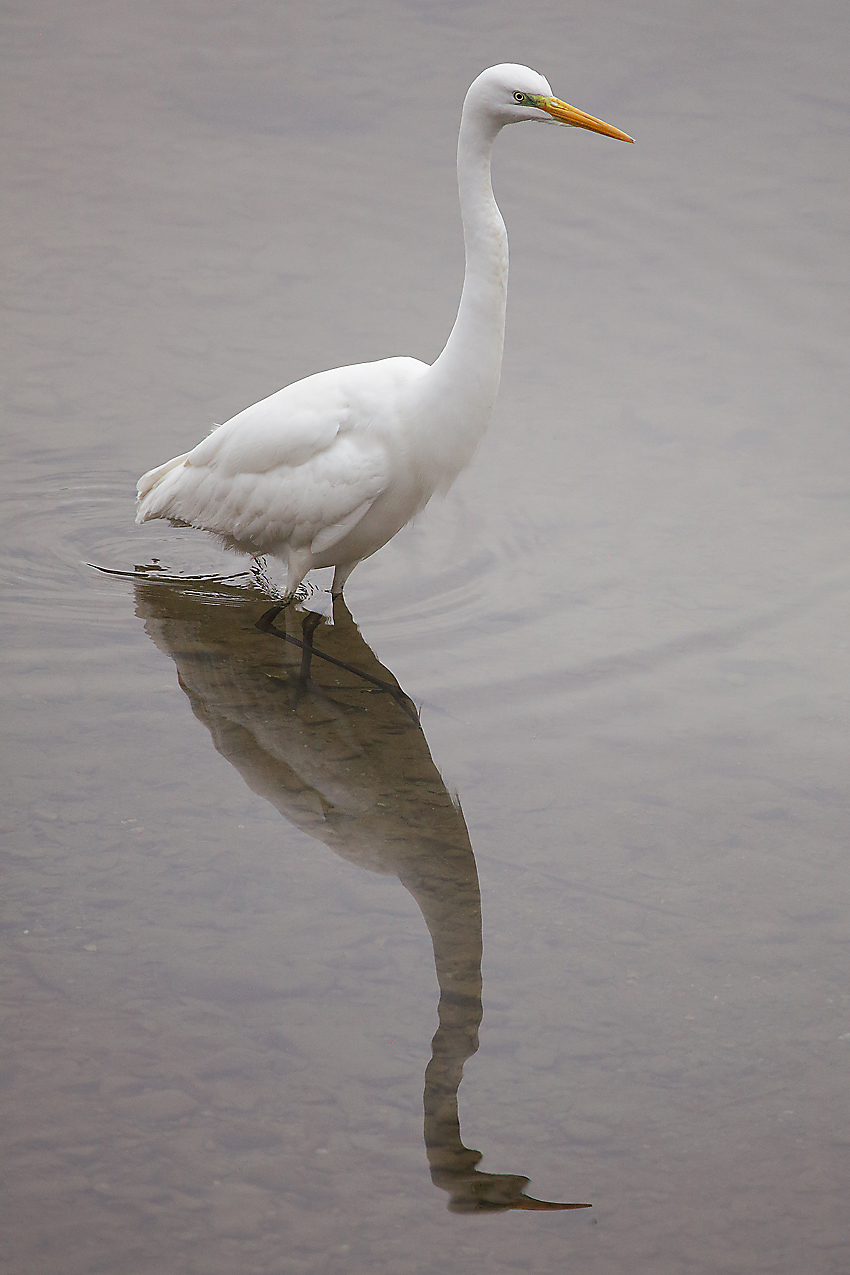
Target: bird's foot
[
  {"x": 266, "y": 621},
  {"x": 309, "y": 624}
]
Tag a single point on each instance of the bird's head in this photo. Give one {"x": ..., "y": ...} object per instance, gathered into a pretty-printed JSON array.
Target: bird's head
[{"x": 510, "y": 93}]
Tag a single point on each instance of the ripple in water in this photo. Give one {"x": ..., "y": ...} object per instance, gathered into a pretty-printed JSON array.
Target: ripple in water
[
  {"x": 54, "y": 530},
  {"x": 67, "y": 537}
]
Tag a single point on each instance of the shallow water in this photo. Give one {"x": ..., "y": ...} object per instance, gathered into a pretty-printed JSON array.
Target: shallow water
[{"x": 622, "y": 825}]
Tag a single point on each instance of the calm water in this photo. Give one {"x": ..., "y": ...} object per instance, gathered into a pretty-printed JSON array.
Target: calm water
[{"x": 621, "y": 826}]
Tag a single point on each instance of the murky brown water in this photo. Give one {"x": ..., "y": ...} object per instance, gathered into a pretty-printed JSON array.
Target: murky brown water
[{"x": 624, "y": 634}]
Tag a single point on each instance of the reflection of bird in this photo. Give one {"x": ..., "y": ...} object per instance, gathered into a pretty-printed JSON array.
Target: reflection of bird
[
  {"x": 344, "y": 758},
  {"x": 327, "y": 470}
]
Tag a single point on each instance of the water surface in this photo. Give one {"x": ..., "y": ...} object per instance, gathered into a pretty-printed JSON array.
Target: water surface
[{"x": 585, "y": 768}]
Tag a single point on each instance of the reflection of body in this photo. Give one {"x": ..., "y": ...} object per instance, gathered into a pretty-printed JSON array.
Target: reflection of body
[{"x": 343, "y": 757}]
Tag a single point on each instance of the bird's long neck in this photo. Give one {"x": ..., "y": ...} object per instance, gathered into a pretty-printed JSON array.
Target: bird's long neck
[
  {"x": 480, "y": 324},
  {"x": 467, "y": 372}
]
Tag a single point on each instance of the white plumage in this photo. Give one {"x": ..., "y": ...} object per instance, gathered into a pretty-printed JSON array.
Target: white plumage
[{"x": 327, "y": 470}]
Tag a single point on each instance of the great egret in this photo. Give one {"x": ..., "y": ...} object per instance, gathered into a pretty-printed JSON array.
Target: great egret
[{"x": 326, "y": 471}]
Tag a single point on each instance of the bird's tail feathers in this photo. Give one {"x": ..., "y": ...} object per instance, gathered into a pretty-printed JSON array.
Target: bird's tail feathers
[{"x": 151, "y": 499}]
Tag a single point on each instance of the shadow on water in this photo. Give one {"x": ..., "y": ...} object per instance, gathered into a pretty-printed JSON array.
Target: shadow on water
[{"x": 343, "y": 757}]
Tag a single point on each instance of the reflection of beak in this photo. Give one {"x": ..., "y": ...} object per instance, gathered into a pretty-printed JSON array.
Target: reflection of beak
[
  {"x": 528, "y": 1202},
  {"x": 565, "y": 114}
]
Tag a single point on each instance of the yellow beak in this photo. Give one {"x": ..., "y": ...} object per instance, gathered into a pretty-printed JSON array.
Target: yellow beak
[{"x": 565, "y": 114}]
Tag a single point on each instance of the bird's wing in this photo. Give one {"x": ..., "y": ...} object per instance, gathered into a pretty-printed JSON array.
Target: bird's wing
[
  {"x": 301, "y": 467},
  {"x": 313, "y": 503}
]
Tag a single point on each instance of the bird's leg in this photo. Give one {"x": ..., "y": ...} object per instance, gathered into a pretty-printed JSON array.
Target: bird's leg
[
  {"x": 309, "y": 624},
  {"x": 341, "y": 574},
  {"x": 265, "y": 582},
  {"x": 266, "y": 621}
]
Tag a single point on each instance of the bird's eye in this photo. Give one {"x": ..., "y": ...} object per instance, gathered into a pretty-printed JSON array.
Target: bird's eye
[{"x": 519, "y": 97}]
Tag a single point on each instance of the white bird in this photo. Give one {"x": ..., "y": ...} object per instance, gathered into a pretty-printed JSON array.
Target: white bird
[{"x": 326, "y": 471}]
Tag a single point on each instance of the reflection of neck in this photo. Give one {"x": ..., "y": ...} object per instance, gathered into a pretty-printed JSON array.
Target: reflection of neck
[
  {"x": 442, "y": 877},
  {"x": 455, "y": 1040},
  {"x": 445, "y": 886}
]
